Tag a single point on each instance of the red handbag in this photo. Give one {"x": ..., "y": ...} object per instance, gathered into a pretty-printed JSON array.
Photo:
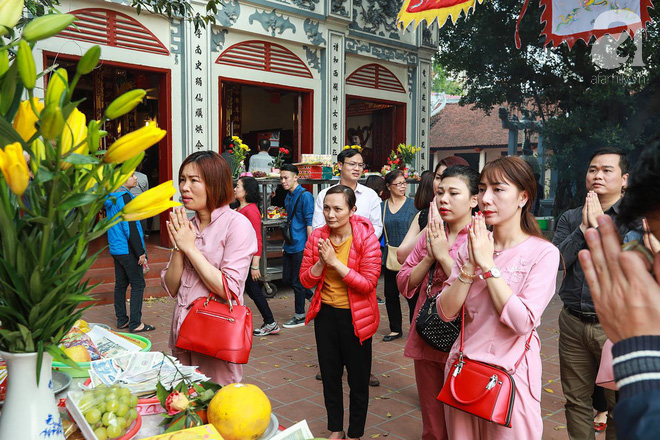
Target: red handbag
[
  {"x": 483, "y": 390},
  {"x": 216, "y": 329}
]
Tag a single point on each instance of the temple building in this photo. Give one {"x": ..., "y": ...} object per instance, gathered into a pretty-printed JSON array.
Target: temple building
[{"x": 310, "y": 75}]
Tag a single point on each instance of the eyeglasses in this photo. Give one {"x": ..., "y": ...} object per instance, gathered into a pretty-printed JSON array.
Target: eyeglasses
[
  {"x": 354, "y": 164},
  {"x": 400, "y": 184}
]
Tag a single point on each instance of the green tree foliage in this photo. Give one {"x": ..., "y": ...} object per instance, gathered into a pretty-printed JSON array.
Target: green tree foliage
[
  {"x": 170, "y": 8},
  {"x": 583, "y": 107},
  {"x": 442, "y": 84}
]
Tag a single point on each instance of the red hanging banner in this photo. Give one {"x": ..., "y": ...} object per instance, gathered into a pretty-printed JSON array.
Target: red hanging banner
[{"x": 572, "y": 20}]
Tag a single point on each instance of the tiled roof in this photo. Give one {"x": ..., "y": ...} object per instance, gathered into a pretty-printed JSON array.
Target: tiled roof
[{"x": 458, "y": 126}]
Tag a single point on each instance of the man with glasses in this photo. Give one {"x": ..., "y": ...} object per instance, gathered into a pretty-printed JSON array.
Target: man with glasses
[{"x": 351, "y": 165}]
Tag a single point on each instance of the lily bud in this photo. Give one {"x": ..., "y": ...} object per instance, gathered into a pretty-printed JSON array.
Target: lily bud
[
  {"x": 26, "y": 68},
  {"x": 133, "y": 143},
  {"x": 4, "y": 62},
  {"x": 38, "y": 153},
  {"x": 94, "y": 136},
  {"x": 151, "y": 202},
  {"x": 51, "y": 122},
  {"x": 14, "y": 168},
  {"x": 125, "y": 103},
  {"x": 75, "y": 133},
  {"x": 59, "y": 82},
  {"x": 10, "y": 12},
  {"x": 46, "y": 26},
  {"x": 89, "y": 61},
  {"x": 25, "y": 118}
]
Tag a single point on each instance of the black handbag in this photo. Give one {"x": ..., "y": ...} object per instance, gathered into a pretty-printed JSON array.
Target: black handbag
[
  {"x": 286, "y": 229},
  {"x": 431, "y": 328}
]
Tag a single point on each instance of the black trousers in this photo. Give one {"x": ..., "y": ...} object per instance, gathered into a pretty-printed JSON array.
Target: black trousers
[
  {"x": 291, "y": 274},
  {"x": 253, "y": 290},
  {"x": 338, "y": 347},
  {"x": 128, "y": 271},
  {"x": 392, "y": 300}
]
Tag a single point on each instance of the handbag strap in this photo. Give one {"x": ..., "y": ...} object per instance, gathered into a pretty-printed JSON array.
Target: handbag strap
[
  {"x": 387, "y": 242},
  {"x": 515, "y": 367},
  {"x": 289, "y": 219},
  {"x": 230, "y": 295},
  {"x": 430, "y": 282}
]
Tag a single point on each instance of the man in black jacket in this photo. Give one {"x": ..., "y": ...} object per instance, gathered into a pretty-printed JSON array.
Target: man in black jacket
[
  {"x": 626, "y": 292},
  {"x": 581, "y": 337}
]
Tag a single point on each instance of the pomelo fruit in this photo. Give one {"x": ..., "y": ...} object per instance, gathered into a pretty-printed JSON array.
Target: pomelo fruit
[
  {"x": 78, "y": 353},
  {"x": 240, "y": 412}
]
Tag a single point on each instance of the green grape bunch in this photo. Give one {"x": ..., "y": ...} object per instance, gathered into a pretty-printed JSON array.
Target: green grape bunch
[{"x": 109, "y": 411}]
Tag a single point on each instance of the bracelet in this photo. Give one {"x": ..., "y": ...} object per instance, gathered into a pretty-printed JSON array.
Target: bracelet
[
  {"x": 254, "y": 268},
  {"x": 467, "y": 275},
  {"x": 468, "y": 281}
]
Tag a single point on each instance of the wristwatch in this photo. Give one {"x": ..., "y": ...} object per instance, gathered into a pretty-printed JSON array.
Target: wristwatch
[{"x": 494, "y": 272}]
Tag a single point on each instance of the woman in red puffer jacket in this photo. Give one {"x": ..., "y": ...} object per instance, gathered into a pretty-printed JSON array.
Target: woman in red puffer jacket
[{"x": 343, "y": 260}]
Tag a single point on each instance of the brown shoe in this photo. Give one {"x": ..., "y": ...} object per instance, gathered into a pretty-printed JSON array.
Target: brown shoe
[{"x": 373, "y": 381}]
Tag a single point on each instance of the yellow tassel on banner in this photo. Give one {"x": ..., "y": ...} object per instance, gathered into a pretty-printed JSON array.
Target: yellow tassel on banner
[{"x": 417, "y": 11}]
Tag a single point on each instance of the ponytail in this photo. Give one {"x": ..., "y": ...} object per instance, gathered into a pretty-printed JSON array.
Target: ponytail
[{"x": 529, "y": 225}]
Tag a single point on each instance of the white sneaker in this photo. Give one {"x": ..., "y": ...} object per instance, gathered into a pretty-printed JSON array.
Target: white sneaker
[
  {"x": 294, "y": 322},
  {"x": 267, "y": 329}
]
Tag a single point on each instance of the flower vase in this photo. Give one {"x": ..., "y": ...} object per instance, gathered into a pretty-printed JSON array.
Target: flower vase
[{"x": 29, "y": 411}]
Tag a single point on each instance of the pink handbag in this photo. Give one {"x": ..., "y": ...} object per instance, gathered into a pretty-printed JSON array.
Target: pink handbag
[{"x": 605, "y": 377}]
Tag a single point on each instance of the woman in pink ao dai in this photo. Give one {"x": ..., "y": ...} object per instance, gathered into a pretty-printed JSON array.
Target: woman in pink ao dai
[
  {"x": 519, "y": 270},
  {"x": 450, "y": 214}
]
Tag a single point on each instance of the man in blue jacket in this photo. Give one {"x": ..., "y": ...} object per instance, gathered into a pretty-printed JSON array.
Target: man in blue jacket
[
  {"x": 299, "y": 204},
  {"x": 625, "y": 287},
  {"x": 126, "y": 243}
]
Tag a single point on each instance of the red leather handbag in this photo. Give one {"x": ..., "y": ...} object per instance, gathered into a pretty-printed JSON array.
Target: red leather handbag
[
  {"x": 483, "y": 390},
  {"x": 216, "y": 329}
]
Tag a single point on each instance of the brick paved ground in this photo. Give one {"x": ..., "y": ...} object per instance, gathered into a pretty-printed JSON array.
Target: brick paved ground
[{"x": 284, "y": 366}]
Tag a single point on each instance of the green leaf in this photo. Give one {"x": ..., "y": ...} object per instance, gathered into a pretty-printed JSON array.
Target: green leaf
[
  {"x": 81, "y": 159},
  {"x": 43, "y": 175},
  {"x": 9, "y": 87},
  {"x": 162, "y": 393},
  {"x": 8, "y": 135},
  {"x": 181, "y": 387},
  {"x": 77, "y": 200},
  {"x": 38, "y": 220},
  {"x": 40, "y": 359}
]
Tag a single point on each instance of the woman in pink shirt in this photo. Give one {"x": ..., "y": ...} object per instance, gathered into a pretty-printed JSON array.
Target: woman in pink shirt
[
  {"x": 505, "y": 280},
  {"x": 457, "y": 195},
  {"x": 217, "y": 242}
]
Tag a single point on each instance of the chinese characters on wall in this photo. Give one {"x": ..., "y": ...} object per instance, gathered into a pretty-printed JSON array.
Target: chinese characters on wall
[
  {"x": 423, "y": 124},
  {"x": 336, "y": 94},
  {"x": 198, "y": 91}
]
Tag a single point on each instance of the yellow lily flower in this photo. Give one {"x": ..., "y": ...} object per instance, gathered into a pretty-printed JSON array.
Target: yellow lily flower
[
  {"x": 133, "y": 143},
  {"x": 25, "y": 118},
  {"x": 151, "y": 202},
  {"x": 121, "y": 175},
  {"x": 95, "y": 179},
  {"x": 75, "y": 133},
  {"x": 14, "y": 168}
]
